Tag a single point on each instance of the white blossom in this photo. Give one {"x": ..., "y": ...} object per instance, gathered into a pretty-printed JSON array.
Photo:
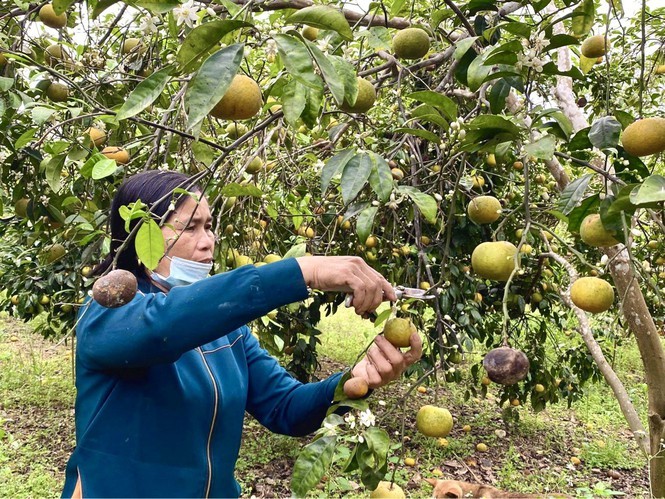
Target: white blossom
[
  {"x": 367, "y": 418},
  {"x": 351, "y": 420},
  {"x": 186, "y": 14},
  {"x": 148, "y": 25}
]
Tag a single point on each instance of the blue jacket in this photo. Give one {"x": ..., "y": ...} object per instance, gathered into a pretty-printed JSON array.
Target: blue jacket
[{"x": 163, "y": 384}]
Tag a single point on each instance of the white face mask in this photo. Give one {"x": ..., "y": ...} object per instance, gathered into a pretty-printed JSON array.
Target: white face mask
[{"x": 183, "y": 272}]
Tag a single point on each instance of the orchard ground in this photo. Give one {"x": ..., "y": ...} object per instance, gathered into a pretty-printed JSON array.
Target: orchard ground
[{"x": 530, "y": 454}]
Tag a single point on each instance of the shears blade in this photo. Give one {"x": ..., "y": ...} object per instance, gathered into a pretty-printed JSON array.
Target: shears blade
[{"x": 417, "y": 293}]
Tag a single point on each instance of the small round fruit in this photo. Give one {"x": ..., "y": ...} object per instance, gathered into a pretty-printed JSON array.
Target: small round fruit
[
  {"x": 364, "y": 100},
  {"x": 119, "y": 154},
  {"x": 57, "y": 92},
  {"x": 485, "y": 381},
  {"x": 466, "y": 428},
  {"x": 411, "y": 43},
  {"x": 310, "y": 33},
  {"x": 254, "y": 166},
  {"x": 575, "y": 461},
  {"x": 54, "y": 54},
  {"x": 371, "y": 242},
  {"x": 54, "y": 252},
  {"x": 409, "y": 461},
  {"x": 592, "y": 294},
  {"x": 48, "y": 16},
  {"x": 97, "y": 136},
  {"x": 115, "y": 289},
  {"x": 539, "y": 388},
  {"x": 236, "y": 130},
  {"x": 644, "y": 137},
  {"x": 272, "y": 258},
  {"x": 491, "y": 160},
  {"x": 515, "y": 402},
  {"x": 242, "y": 100},
  {"x": 21, "y": 207},
  {"x": 422, "y": 389},
  {"x": 443, "y": 442},
  {"x": 398, "y": 331},
  {"x": 481, "y": 447},
  {"x": 397, "y": 174},
  {"x": 387, "y": 490},
  {"x": 494, "y": 260},
  {"x": 433, "y": 421},
  {"x": 478, "y": 182},
  {"x": 506, "y": 366},
  {"x": 518, "y": 165},
  {"x": 356, "y": 387},
  {"x": 132, "y": 45},
  {"x": 594, "y": 46},
  {"x": 593, "y": 233},
  {"x": 484, "y": 209},
  {"x": 15, "y": 300}
]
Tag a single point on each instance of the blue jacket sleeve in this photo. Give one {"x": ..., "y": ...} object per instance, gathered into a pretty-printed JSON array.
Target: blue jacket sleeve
[
  {"x": 280, "y": 402},
  {"x": 158, "y": 328}
]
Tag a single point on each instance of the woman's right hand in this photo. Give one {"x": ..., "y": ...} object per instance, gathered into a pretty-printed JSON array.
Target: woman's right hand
[{"x": 347, "y": 274}]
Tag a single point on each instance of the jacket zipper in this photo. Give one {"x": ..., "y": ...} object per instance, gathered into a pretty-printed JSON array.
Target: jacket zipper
[{"x": 212, "y": 424}]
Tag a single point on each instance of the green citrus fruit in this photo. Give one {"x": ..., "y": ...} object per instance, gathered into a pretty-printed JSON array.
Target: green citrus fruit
[
  {"x": 484, "y": 209},
  {"x": 398, "y": 331},
  {"x": 433, "y": 421},
  {"x": 364, "y": 100},
  {"x": 594, "y": 46},
  {"x": 48, "y": 16},
  {"x": 411, "y": 43},
  {"x": 494, "y": 260}
]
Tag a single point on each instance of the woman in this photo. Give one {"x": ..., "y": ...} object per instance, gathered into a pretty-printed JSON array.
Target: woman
[{"x": 163, "y": 382}]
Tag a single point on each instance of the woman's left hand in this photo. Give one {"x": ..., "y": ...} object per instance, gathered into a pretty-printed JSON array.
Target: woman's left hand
[{"x": 385, "y": 363}]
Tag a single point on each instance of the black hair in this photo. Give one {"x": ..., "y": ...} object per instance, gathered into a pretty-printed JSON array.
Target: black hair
[{"x": 149, "y": 186}]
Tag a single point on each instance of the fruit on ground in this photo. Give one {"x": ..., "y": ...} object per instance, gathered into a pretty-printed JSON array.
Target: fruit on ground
[
  {"x": 254, "y": 166},
  {"x": 48, "y": 16},
  {"x": 310, "y": 33},
  {"x": 387, "y": 490},
  {"x": 410, "y": 43},
  {"x": 644, "y": 137},
  {"x": 506, "y": 366},
  {"x": 481, "y": 447},
  {"x": 115, "y": 289},
  {"x": 356, "y": 387},
  {"x": 433, "y": 421},
  {"x": 409, "y": 461},
  {"x": 21, "y": 207},
  {"x": 364, "y": 100},
  {"x": 97, "y": 136},
  {"x": 54, "y": 252},
  {"x": 594, "y": 46},
  {"x": 466, "y": 428},
  {"x": 57, "y": 92},
  {"x": 539, "y": 388},
  {"x": 592, "y": 294},
  {"x": 593, "y": 233},
  {"x": 575, "y": 461},
  {"x": 422, "y": 389},
  {"x": 398, "y": 331},
  {"x": 236, "y": 130},
  {"x": 485, "y": 381},
  {"x": 484, "y": 209},
  {"x": 120, "y": 154},
  {"x": 241, "y": 101},
  {"x": 494, "y": 260}
]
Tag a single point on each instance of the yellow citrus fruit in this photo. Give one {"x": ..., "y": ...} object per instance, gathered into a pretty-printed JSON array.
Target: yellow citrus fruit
[
  {"x": 433, "y": 421},
  {"x": 644, "y": 137},
  {"x": 491, "y": 160},
  {"x": 15, "y": 300},
  {"x": 576, "y": 461},
  {"x": 466, "y": 428},
  {"x": 307, "y": 232},
  {"x": 86, "y": 271},
  {"x": 44, "y": 300},
  {"x": 477, "y": 182},
  {"x": 518, "y": 165},
  {"x": 481, "y": 447},
  {"x": 592, "y": 294},
  {"x": 241, "y": 101},
  {"x": 485, "y": 381},
  {"x": 364, "y": 100},
  {"x": 411, "y": 43},
  {"x": 310, "y": 33},
  {"x": 593, "y": 233},
  {"x": 356, "y": 387},
  {"x": 371, "y": 242},
  {"x": 397, "y": 174},
  {"x": 242, "y": 260},
  {"x": 594, "y": 46},
  {"x": 133, "y": 45},
  {"x": 53, "y": 54},
  {"x": 526, "y": 249},
  {"x": 235, "y": 130},
  {"x": 515, "y": 402},
  {"x": 120, "y": 154},
  {"x": 57, "y": 92},
  {"x": 660, "y": 69},
  {"x": 422, "y": 389},
  {"x": 484, "y": 209},
  {"x": 398, "y": 331},
  {"x": 21, "y": 207},
  {"x": 48, "y": 16},
  {"x": 425, "y": 240},
  {"x": 387, "y": 490},
  {"x": 271, "y": 258},
  {"x": 409, "y": 461},
  {"x": 539, "y": 388},
  {"x": 254, "y": 166},
  {"x": 97, "y": 136},
  {"x": 494, "y": 260}
]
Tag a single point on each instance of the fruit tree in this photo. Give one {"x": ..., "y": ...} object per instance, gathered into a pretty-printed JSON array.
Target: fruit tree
[{"x": 491, "y": 152}]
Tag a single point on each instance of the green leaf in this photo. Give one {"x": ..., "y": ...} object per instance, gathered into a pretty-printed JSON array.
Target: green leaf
[
  {"x": 203, "y": 153},
  {"x": 380, "y": 178},
  {"x": 543, "y": 148},
  {"x": 25, "y": 138},
  {"x": 561, "y": 40},
  {"x": 622, "y": 201},
  {"x": 145, "y": 94},
  {"x": 580, "y": 140},
  {"x": 330, "y": 76},
  {"x": 442, "y": 102},
  {"x": 6, "y": 83},
  {"x": 587, "y": 63},
  {"x": 573, "y": 194},
  {"x": 40, "y": 115},
  {"x": 104, "y": 168},
  {"x": 605, "y": 132},
  {"x": 211, "y": 82},
  {"x": 379, "y": 442},
  {"x": 652, "y": 190},
  {"x": 234, "y": 190},
  {"x": 156, "y": 6},
  {"x": 365, "y": 223},
  {"x": 294, "y": 100},
  {"x": 425, "y": 203},
  {"x": 296, "y": 251},
  {"x": 552, "y": 69},
  {"x": 202, "y": 40},
  {"x": 516, "y": 28},
  {"x": 297, "y": 60},
  {"x": 583, "y": 17},
  {"x": 477, "y": 72},
  {"x": 60, "y": 6},
  {"x": 149, "y": 243},
  {"x": 312, "y": 463},
  {"x": 463, "y": 46},
  {"x": 53, "y": 171},
  {"x": 101, "y": 6},
  {"x": 354, "y": 176},
  {"x": 494, "y": 124},
  {"x": 498, "y": 94},
  {"x": 323, "y": 17},
  {"x": 333, "y": 166},
  {"x": 424, "y": 134},
  {"x": 347, "y": 73}
]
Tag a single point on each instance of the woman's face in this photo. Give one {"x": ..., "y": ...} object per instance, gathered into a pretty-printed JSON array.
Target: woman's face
[{"x": 188, "y": 234}]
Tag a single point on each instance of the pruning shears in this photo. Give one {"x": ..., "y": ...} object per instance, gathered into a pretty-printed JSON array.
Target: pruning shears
[{"x": 402, "y": 292}]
